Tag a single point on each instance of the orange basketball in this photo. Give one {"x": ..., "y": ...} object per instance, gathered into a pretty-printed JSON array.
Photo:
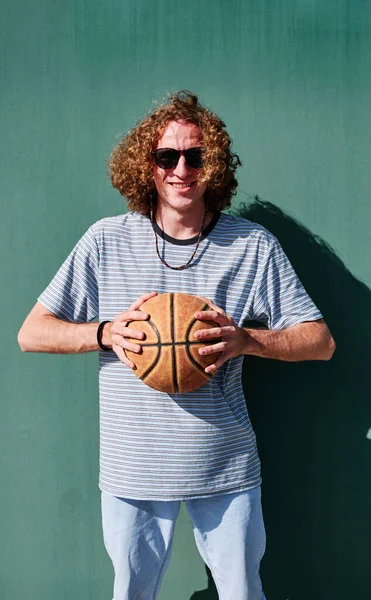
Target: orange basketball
[{"x": 169, "y": 361}]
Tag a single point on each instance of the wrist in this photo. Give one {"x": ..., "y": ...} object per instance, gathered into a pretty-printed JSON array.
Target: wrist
[
  {"x": 106, "y": 338},
  {"x": 104, "y": 335},
  {"x": 252, "y": 344}
]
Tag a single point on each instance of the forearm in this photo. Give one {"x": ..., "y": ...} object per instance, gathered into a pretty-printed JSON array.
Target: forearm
[
  {"x": 306, "y": 341},
  {"x": 42, "y": 331},
  {"x": 46, "y": 333}
]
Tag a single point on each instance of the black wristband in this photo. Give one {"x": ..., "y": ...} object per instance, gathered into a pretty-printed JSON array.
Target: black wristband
[{"x": 99, "y": 336}]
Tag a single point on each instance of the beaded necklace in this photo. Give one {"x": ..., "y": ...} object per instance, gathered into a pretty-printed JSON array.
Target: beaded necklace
[{"x": 181, "y": 267}]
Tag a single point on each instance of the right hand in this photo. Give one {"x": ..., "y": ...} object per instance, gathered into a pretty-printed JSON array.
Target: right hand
[{"x": 119, "y": 330}]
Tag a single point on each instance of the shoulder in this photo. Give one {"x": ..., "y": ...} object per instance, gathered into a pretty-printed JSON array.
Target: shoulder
[
  {"x": 119, "y": 225},
  {"x": 231, "y": 228}
]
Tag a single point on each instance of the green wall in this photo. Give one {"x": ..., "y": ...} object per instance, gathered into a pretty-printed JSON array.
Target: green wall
[{"x": 292, "y": 82}]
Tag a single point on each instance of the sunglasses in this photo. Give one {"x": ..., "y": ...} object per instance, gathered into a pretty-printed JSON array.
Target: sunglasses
[{"x": 168, "y": 158}]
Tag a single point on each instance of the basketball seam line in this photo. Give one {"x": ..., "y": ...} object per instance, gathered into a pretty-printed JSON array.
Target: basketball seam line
[
  {"x": 187, "y": 345},
  {"x": 151, "y": 367},
  {"x": 175, "y": 374}
]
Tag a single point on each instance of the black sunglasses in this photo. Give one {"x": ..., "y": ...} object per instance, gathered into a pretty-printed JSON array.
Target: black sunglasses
[{"x": 168, "y": 158}]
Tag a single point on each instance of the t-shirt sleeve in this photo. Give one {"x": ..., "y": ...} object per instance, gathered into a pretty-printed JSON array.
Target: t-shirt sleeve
[
  {"x": 72, "y": 295},
  {"x": 280, "y": 299}
]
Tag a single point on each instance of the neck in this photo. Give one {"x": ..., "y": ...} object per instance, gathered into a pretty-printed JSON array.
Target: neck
[{"x": 179, "y": 225}]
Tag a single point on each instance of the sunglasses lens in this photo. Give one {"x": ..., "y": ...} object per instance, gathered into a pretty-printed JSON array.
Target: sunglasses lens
[
  {"x": 167, "y": 158},
  {"x": 193, "y": 157}
]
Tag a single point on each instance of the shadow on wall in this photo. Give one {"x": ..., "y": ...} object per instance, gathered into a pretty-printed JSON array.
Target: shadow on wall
[{"x": 311, "y": 420}]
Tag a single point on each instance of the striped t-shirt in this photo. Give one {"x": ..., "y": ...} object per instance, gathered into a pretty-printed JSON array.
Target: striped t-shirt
[{"x": 153, "y": 445}]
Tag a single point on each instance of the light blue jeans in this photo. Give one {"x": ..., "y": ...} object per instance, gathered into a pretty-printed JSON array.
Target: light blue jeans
[{"x": 229, "y": 533}]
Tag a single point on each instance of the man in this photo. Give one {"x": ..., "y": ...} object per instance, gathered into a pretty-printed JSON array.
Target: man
[{"x": 176, "y": 169}]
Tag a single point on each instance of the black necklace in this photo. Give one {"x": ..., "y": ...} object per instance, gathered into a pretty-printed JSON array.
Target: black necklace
[{"x": 181, "y": 267}]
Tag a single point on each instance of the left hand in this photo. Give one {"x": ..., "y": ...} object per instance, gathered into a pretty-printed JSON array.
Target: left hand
[{"x": 234, "y": 338}]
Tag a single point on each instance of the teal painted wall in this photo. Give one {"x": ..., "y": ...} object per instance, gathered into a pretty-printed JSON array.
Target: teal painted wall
[{"x": 292, "y": 82}]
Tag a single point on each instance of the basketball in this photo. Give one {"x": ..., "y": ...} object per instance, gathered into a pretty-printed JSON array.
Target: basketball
[{"x": 170, "y": 361}]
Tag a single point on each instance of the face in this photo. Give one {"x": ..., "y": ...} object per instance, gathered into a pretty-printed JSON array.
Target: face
[{"x": 178, "y": 188}]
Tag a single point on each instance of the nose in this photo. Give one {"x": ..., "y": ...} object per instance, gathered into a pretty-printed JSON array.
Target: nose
[{"x": 182, "y": 169}]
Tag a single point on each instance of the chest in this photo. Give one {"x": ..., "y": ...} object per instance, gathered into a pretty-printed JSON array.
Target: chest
[{"x": 129, "y": 268}]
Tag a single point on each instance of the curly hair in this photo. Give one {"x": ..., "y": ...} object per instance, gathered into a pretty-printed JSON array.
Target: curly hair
[{"x": 131, "y": 163}]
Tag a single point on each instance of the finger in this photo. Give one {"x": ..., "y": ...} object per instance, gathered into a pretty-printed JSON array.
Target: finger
[
  {"x": 210, "y": 315},
  {"x": 122, "y": 356},
  {"x": 206, "y": 350},
  {"x": 124, "y": 343},
  {"x": 218, "y": 363},
  {"x": 142, "y": 299},
  {"x": 133, "y": 315},
  {"x": 211, "y": 369},
  {"x": 133, "y": 333},
  {"x": 132, "y": 347},
  {"x": 210, "y": 303},
  {"x": 214, "y": 332},
  {"x": 207, "y": 334},
  {"x": 124, "y": 331}
]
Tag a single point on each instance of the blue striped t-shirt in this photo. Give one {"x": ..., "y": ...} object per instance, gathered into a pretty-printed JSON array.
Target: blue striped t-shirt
[{"x": 153, "y": 445}]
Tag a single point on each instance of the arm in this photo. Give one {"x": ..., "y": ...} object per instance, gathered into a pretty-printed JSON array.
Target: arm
[
  {"x": 305, "y": 341},
  {"x": 42, "y": 331}
]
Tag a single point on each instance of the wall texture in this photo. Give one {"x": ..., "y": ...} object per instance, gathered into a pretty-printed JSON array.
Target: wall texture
[{"x": 292, "y": 82}]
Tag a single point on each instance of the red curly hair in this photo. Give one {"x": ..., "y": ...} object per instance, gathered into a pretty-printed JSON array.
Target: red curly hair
[{"x": 131, "y": 163}]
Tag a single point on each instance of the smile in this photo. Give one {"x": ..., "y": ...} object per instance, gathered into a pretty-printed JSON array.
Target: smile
[{"x": 182, "y": 185}]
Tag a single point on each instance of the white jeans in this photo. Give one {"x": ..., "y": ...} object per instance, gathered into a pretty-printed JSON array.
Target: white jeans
[{"x": 229, "y": 533}]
